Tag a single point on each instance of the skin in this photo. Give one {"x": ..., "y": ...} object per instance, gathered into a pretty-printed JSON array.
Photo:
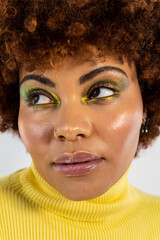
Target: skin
[{"x": 108, "y": 128}]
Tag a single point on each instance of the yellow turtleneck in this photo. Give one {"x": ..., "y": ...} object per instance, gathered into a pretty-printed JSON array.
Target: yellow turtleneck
[{"x": 30, "y": 209}]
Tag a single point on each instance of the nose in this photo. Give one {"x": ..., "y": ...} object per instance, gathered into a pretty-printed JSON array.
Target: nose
[{"x": 72, "y": 125}]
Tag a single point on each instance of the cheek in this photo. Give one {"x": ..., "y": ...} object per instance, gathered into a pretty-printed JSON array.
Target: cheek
[
  {"x": 35, "y": 134},
  {"x": 127, "y": 127},
  {"x": 121, "y": 130}
]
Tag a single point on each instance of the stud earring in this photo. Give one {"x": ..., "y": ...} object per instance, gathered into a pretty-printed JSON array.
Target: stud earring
[{"x": 144, "y": 127}]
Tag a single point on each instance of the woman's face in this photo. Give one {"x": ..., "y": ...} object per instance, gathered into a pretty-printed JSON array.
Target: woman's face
[{"x": 81, "y": 107}]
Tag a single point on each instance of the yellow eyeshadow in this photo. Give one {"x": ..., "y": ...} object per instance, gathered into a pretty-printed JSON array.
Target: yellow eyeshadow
[
  {"x": 114, "y": 85},
  {"x": 27, "y": 92},
  {"x": 94, "y": 100}
]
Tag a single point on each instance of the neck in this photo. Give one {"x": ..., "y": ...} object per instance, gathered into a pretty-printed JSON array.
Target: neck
[{"x": 97, "y": 209}]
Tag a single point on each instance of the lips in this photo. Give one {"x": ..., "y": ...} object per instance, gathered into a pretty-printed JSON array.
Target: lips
[
  {"x": 77, "y": 164},
  {"x": 76, "y": 158}
]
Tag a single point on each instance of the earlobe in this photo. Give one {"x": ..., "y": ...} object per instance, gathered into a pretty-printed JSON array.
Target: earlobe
[
  {"x": 145, "y": 122},
  {"x": 144, "y": 114}
]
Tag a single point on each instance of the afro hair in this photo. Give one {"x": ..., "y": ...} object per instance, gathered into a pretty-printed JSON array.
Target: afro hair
[{"x": 41, "y": 33}]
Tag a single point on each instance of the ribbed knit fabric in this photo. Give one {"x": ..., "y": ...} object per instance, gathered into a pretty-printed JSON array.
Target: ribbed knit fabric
[{"x": 30, "y": 209}]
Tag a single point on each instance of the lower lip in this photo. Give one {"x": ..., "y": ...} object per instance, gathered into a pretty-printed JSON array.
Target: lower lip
[{"x": 78, "y": 168}]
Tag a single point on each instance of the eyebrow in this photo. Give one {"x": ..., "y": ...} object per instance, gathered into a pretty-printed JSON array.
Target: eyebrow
[
  {"x": 97, "y": 71},
  {"x": 43, "y": 80},
  {"x": 82, "y": 79}
]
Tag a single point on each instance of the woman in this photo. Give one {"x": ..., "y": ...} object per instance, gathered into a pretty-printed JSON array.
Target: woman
[{"x": 80, "y": 87}]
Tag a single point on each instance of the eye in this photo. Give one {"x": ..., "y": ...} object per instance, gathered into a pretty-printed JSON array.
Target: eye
[
  {"x": 102, "y": 90},
  {"x": 38, "y": 99}
]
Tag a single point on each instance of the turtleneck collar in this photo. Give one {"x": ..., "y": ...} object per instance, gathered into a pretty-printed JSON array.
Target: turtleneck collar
[{"x": 98, "y": 209}]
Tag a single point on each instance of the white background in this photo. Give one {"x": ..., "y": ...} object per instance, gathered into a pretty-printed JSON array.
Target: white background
[{"x": 144, "y": 173}]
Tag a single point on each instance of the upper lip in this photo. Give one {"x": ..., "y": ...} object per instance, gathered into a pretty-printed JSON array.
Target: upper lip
[{"x": 76, "y": 157}]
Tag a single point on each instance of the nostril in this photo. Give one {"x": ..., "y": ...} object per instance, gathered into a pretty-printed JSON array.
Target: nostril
[
  {"x": 61, "y": 137},
  {"x": 81, "y": 135}
]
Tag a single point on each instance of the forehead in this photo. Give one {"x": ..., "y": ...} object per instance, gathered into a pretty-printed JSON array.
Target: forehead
[{"x": 80, "y": 65}]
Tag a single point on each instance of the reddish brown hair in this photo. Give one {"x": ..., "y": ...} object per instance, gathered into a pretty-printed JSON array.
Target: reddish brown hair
[{"x": 41, "y": 33}]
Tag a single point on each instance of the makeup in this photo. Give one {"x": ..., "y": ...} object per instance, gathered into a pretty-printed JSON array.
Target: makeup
[
  {"x": 32, "y": 94},
  {"x": 104, "y": 90},
  {"x": 108, "y": 127},
  {"x": 78, "y": 168},
  {"x": 78, "y": 163}
]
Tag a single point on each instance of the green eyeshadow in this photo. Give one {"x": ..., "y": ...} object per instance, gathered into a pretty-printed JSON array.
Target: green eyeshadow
[
  {"x": 28, "y": 91},
  {"x": 116, "y": 85}
]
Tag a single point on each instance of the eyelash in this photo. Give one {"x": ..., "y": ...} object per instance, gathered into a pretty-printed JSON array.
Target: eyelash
[
  {"x": 36, "y": 91},
  {"x": 102, "y": 85}
]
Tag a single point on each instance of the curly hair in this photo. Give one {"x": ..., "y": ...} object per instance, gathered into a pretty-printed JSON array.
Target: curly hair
[{"x": 41, "y": 33}]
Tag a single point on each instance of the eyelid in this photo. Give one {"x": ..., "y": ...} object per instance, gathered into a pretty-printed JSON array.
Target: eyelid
[
  {"x": 109, "y": 84},
  {"x": 29, "y": 91},
  {"x": 39, "y": 91}
]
